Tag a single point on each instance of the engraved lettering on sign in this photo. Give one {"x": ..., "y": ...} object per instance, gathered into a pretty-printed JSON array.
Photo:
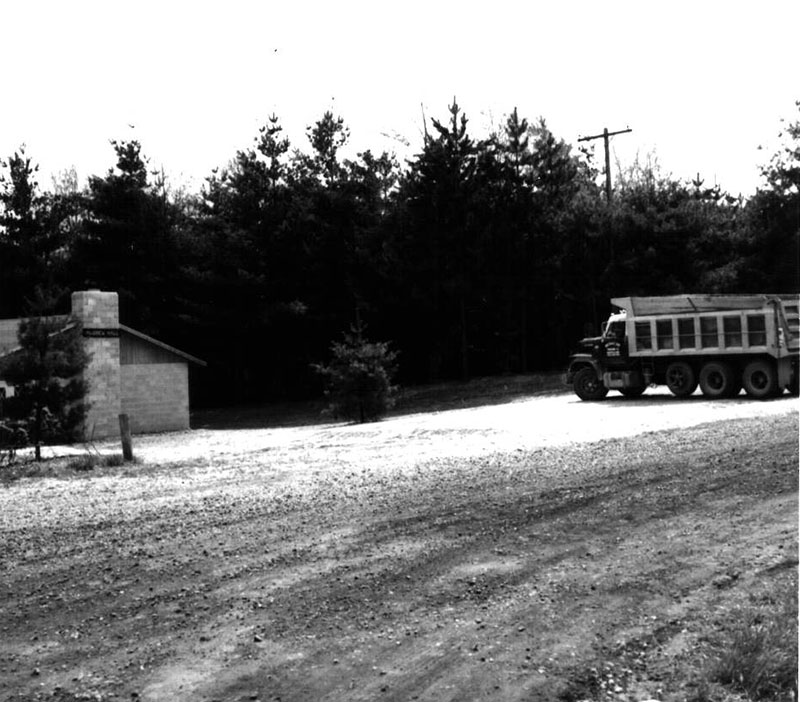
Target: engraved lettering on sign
[{"x": 101, "y": 333}]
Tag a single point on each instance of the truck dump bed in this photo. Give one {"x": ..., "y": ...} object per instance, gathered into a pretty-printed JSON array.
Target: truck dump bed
[
  {"x": 683, "y": 304},
  {"x": 787, "y": 307}
]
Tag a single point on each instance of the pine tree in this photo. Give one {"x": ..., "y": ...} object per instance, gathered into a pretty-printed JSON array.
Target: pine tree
[
  {"x": 437, "y": 245},
  {"x": 358, "y": 379},
  {"x": 47, "y": 375},
  {"x": 773, "y": 262},
  {"x": 128, "y": 243},
  {"x": 36, "y": 230}
]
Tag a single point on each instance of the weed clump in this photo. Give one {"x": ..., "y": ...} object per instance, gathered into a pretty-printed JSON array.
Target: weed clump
[
  {"x": 90, "y": 461},
  {"x": 759, "y": 657}
]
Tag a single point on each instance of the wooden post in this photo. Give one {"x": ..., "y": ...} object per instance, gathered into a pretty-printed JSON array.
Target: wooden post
[
  {"x": 608, "y": 164},
  {"x": 125, "y": 435}
]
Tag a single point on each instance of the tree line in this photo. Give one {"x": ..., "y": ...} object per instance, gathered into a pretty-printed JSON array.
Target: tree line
[{"x": 473, "y": 257}]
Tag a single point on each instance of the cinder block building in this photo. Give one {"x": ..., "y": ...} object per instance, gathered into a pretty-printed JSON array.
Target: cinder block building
[{"x": 128, "y": 372}]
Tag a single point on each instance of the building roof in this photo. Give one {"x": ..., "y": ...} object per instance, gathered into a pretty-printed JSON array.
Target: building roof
[
  {"x": 9, "y": 343},
  {"x": 161, "y": 344}
]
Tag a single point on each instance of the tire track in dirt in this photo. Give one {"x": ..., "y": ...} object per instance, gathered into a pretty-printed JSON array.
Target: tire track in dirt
[{"x": 379, "y": 577}]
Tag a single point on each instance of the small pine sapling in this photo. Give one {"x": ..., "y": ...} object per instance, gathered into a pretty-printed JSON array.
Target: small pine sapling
[{"x": 358, "y": 379}]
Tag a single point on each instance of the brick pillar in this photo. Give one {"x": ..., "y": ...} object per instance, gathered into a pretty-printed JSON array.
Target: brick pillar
[{"x": 98, "y": 311}]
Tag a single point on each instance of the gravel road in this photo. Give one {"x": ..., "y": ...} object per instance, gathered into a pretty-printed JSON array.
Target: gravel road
[
  {"x": 550, "y": 420},
  {"x": 496, "y": 552}
]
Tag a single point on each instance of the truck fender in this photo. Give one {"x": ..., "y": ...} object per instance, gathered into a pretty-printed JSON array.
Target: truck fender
[{"x": 579, "y": 363}]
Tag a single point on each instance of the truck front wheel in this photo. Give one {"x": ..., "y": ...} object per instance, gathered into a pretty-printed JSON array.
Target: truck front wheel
[
  {"x": 718, "y": 380},
  {"x": 681, "y": 379},
  {"x": 587, "y": 385},
  {"x": 760, "y": 380}
]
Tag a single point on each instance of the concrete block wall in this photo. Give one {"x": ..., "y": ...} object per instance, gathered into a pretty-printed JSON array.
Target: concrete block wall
[
  {"x": 155, "y": 396},
  {"x": 99, "y": 311}
]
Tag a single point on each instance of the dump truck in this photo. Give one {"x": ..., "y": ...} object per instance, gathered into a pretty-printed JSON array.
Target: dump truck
[{"x": 722, "y": 343}]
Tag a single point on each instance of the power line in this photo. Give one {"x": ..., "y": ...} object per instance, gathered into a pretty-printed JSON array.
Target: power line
[{"x": 605, "y": 136}]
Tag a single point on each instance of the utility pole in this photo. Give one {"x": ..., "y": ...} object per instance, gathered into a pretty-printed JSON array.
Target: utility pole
[{"x": 605, "y": 136}]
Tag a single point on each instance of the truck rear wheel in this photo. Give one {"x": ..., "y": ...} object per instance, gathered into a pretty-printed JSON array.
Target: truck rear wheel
[
  {"x": 588, "y": 386},
  {"x": 760, "y": 380},
  {"x": 681, "y": 379},
  {"x": 717, "y": 379}
]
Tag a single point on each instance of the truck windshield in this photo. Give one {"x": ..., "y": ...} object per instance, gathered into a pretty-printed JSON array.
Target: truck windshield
[{"x": 615, "y": 330}]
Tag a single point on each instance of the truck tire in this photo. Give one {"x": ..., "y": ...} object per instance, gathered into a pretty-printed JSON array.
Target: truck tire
[
  {"x": 717, "y": 379},
  {"x": 760, "y": 380},
  {"x": 681, "y": 379},
  {"x": 588, "y": 386}
]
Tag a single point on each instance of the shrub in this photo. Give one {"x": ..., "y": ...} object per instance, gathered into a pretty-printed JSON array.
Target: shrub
[
  {"x": 13, "y": 436},
  {"x": 358, "y": 379}
]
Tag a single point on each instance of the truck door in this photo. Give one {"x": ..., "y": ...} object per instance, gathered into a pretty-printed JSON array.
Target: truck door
[{"x": 615, "y": 344}]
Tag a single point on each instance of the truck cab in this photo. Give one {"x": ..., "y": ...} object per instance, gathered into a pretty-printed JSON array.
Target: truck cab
[{"x": 601, "y": 363}]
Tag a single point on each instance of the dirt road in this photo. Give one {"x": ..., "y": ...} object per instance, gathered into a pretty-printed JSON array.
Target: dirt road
[{"x": 521, "y": 551}]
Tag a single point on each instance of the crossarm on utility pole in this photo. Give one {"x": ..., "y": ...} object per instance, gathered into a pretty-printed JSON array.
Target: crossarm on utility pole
[{"x": 605, "y": 136}]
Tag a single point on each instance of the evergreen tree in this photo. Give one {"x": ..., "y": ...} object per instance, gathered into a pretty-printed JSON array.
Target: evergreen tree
[
  {"x": 558, "y": 212},
  {"x": 671, "y": 236},
  {"x": 47, "y": 375},
  {"x": 506, "y": 192},
  {"x": 327, "y": 136},
  {"x": 358, "y": 378},
  {"x": 245, "y": 266},
  {"x": 369, "y": 186},
  {"x": 436, "y": 248},
  {"x": 338, "y": 208},
  {"x": 36, "y": 232},
  {"x": 128, "y": 242},
  {"x": 772, "y": 258},
  {"x": 322, "y": 219}
]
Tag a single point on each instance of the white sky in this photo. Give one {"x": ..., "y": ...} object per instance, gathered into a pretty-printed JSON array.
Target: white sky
[{"x": 701, "y": 83}]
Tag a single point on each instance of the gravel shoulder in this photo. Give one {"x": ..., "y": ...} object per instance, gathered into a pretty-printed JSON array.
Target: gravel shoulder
[{"x": 506, "y": 552}]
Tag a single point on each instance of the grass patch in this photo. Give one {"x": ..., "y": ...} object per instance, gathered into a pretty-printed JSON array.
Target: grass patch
[
  {"x": 61, "y": 467},
  {"x": 758, "y": 654},
  {"x": 90, "y": 461},
  {"x": 748, "y": 652}
]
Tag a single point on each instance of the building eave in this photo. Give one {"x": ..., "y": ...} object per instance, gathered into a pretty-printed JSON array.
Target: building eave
[{"x": 162, "y": 345}]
